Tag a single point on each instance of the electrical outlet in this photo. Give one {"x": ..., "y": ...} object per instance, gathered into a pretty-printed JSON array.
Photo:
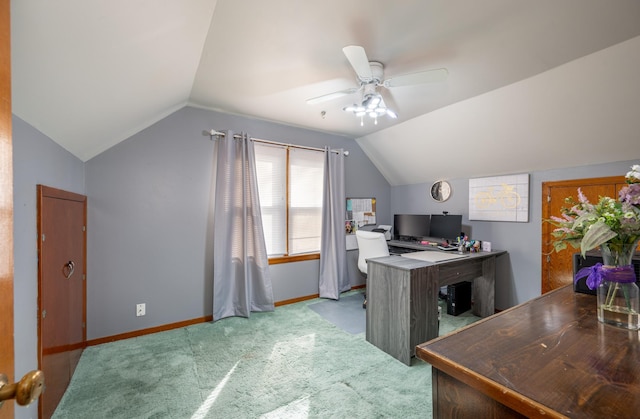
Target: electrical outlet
[{"x": 141, "y": 309}]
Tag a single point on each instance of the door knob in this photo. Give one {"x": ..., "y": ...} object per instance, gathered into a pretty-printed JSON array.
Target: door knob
[
  {"x": 25, "y": 391},
  {"x": 68, "y": 269}
]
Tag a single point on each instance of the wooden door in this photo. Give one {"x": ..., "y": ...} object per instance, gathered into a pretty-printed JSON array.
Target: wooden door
[
  {"x": 557, "y": 268},
  {"x": 6, "y": 209},
  {"x": 61, "y": 289}
]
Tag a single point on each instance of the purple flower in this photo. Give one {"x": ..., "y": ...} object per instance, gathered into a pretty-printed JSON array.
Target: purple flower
[
  {"x": 581, "y": 197},
  {"x": 630, "y": 194}
]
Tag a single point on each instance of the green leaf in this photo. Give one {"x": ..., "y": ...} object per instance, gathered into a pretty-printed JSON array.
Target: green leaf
[
  {"x": 597, "y": 234},
  {"x": 559, "y": 246}
]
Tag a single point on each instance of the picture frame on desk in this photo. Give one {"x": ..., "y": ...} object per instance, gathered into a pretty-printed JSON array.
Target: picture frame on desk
[{"x": 350, "y": 227}]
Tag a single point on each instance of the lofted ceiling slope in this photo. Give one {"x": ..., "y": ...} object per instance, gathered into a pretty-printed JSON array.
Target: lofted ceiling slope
[{"x": 89, "y": 74}]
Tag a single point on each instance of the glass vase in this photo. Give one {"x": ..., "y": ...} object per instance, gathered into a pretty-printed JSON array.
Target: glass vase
[{"x": 618, "y": 294}]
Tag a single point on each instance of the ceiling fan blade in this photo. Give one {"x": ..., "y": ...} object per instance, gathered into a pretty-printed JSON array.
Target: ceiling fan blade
[
  {"x": 427, "y": 76},
  {"x": 331, "y": 96},
  {"x": 359, "y": 61}
]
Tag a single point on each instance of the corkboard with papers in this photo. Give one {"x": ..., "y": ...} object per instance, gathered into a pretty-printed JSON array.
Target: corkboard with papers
[{"x": 362, "y": 211}]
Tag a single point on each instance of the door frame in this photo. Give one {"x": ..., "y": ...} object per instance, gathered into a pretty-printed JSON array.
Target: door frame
[{"x": 7, "y": 354}]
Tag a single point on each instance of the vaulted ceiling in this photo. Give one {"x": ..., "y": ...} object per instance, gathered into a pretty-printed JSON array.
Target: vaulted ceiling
[{"x": 89, "y": 74}]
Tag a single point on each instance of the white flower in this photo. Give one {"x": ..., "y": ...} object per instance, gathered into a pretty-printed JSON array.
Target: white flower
[{"x": 634, "y": 173}]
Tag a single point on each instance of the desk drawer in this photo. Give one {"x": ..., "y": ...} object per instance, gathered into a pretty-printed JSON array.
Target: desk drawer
[{"x": 452, "y": 273}]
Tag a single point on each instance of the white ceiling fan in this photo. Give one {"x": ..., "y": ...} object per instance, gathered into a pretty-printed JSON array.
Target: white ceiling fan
[{"x": 370, "y": 76}]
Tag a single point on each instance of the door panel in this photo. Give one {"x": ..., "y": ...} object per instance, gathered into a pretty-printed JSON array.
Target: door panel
[
  {"x": 557, "y": 268},
  {"x": 62, "y": 289}
]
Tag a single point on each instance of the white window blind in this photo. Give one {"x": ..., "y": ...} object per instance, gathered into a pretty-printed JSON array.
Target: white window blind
[
  {"x": 290, "y": 187},
  {"x": 305, "y": 200},
  {"x": 271, "y": 168}
]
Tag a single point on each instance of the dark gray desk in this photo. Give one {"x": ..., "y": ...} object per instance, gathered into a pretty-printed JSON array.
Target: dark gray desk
[{"x": 402, "y": 297}]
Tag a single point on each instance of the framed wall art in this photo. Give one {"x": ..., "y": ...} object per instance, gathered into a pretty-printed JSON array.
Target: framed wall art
[{"x": 499, "y": 198}]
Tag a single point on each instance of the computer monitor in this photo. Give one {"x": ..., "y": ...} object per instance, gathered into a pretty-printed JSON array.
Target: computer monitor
[
  {"x": 411, "y": 226},
  {"x": 446, "y": 226}
]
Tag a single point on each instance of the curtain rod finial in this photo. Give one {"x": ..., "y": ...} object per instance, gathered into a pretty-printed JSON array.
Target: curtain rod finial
[{"x": 212, "y": 133}]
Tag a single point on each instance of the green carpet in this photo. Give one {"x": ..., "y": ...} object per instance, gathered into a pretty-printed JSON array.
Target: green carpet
[{"x": 290, "y": 363}]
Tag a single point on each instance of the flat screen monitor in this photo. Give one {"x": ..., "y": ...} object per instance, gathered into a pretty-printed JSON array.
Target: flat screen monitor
[
  {"x": 446, "y": 226},
  {"x": 411, "y": 226}
]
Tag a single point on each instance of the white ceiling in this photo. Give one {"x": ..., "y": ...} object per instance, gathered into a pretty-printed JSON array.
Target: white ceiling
[{"x": 89, "y": 74}]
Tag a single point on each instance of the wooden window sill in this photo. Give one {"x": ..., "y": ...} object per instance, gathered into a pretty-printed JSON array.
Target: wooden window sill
[{"x": 296, "y": 258}]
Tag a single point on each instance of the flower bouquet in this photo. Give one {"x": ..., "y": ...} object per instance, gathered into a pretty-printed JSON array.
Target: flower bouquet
[{"x": 614, "y": 226}]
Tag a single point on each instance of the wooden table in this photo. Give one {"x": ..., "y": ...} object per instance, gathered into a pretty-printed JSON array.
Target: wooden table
[
  {"x": 549, "y": 357},
  {"x": 402, "y": 297}
]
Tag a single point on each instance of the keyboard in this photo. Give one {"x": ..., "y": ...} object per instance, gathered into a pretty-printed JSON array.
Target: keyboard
[
  {"x": 394, "y": 250},
  {"x": 448, "y": 247}
]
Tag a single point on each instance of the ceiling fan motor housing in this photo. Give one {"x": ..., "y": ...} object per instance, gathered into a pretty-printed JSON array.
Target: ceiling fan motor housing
[
  {"x": 369, "y": 86},
  {"x": 368, "y": 89},
  {"x": 377, "y": 73}
]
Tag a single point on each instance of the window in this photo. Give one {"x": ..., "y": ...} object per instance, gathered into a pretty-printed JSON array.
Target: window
[{"x": 290, "y": 184}]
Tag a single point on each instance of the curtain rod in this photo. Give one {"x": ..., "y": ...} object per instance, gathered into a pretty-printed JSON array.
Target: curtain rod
[{"x": 213, "y": 133}]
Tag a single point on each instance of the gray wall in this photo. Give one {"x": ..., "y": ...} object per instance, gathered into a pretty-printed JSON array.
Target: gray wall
[
  {"x": 150, "y": 220},
  {"x": 36, "y": 160},
  {"x": 518, "y": 274}
]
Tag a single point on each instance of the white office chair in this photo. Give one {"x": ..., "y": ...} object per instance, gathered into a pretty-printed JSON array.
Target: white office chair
[{"x": 370, "y": 245}]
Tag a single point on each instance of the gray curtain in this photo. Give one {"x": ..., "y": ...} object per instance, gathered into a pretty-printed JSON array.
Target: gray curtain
[
  {"x": 241, "y": 279},
  {"x": 333, "y": 253}
]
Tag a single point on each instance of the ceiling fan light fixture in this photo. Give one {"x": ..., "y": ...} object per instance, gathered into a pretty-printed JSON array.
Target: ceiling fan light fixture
[
  {"x": 372, "y": 106},
  {"x": 356, "y": 109},
  {"x": 372, "y": 101}
]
